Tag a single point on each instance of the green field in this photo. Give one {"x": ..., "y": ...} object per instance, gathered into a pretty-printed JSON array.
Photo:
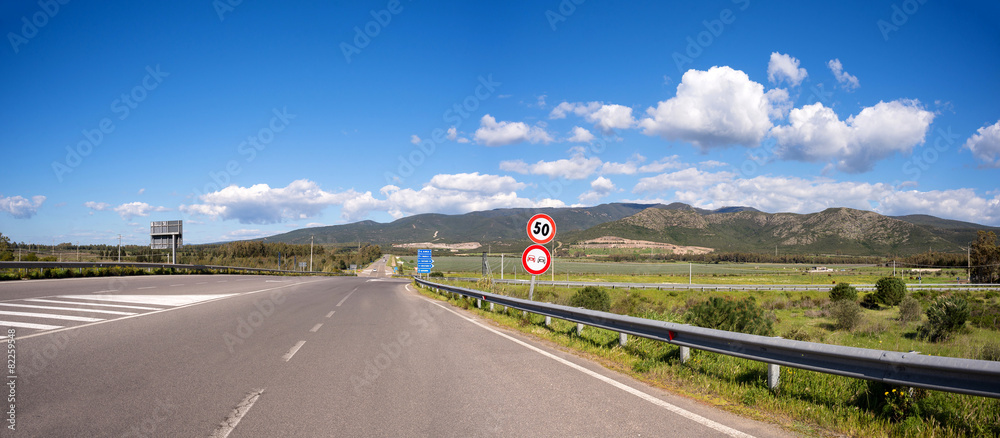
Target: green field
[{"x": 677, "y": 272}]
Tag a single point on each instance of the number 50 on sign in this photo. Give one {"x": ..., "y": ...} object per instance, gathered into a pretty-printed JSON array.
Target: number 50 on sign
[{"x": 541, "y": 229}]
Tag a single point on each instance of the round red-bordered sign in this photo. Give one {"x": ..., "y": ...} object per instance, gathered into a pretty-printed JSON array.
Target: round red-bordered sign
[
  {"x": 541, "y": 229},
  {"x": 536, "y": 259}
]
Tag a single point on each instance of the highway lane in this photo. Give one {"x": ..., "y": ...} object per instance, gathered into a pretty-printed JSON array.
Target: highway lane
[{"x": 315, "y": 356}]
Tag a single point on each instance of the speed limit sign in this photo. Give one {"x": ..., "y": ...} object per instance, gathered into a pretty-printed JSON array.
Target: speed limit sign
[{"x": 541, "y": 229}]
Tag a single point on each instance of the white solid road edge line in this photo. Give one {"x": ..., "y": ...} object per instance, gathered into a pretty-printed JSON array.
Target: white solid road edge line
[
  {"x": 656, "y": 401},
  {"x": 295, "y": 349},
  {"x": 226, "y": 426}
]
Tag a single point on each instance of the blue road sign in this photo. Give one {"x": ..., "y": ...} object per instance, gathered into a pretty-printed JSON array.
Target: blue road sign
[
  {"x": 425, "y": 260},
  {"x": 423, "y": 253},
  {"x": 425, "y": 265},
  {"x": 424, "y": 271}
]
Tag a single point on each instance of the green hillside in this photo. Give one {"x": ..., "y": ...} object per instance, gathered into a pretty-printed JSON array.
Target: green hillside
[{"x": 832, "y": 231}]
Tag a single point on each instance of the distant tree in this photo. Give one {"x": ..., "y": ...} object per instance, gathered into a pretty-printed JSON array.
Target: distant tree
[
  {"x": 4, "y": 243},
  {"x": 984, "y": 256}
]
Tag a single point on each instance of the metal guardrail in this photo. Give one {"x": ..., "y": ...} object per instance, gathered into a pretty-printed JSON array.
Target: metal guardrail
[
  {"x": 76, "y": 265},
  {"x": 714, "y": 287},
  {"x": 964, "y": 376}
]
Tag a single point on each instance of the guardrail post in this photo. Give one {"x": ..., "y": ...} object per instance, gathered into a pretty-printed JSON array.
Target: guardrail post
[
  {"x": 773, "y": 376},
  {"x": 479, "y": 303},
  {"x": 548, "y": 321},
  {"x": 491, "y": 307},
  {"x": 622, "y": 339},
  {"x": 685, "y": 354},
  {"x": 579, "y": 329}
]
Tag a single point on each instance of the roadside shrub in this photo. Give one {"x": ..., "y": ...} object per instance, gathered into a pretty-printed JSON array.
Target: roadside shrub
[
  {"x": 437, "y": 274},
  {"x": 846, "y": 314},
  {"x": 628, "y": 305},
  {"x": 591, "y": 297},
  {"x": 909, "y": 310},
  {"x": 735, "y": 316},
  {"x": 945, "y": 316},
  {"x": 843, "y": 291},
  {"x": 870, "y": 302},
  {"x": 985, "y": 316},
  {"x": 990, "y": 352},
  {"x": 889, "y": 291}
]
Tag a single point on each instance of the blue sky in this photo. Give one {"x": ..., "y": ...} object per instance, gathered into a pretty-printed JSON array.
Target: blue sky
[{"x": 258, "y": 118}]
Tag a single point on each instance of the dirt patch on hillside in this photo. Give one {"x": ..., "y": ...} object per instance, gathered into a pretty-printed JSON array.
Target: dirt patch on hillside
[
  {"x": 448, "y": 246},
  {"x": 618, "y": 242}
]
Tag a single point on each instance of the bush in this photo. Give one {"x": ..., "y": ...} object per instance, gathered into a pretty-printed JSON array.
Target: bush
[
  {"x": 628, "y": 305},
  {"x": 909, "y": 310},
  {"x": 990, "y": 352},
  {"x": 846, "y": 314},
  {"x": 985, "y": 316},
  {"x": 944, "y": 317},
  {"x": 843, "y": 291},
  {"x": 591, "y": 297},
  {"x": 870, "y": 302},
  {"x": 889, "y": 291},
  {"x": 734, "y": 316},
  {"x": 438, "y": 274}
]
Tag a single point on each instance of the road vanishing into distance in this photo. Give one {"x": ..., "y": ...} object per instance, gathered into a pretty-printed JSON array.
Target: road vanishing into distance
[{"x": 262, "y": 356}]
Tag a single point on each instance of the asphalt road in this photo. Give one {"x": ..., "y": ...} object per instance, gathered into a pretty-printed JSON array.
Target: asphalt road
[{"x": 306, "y": 356}]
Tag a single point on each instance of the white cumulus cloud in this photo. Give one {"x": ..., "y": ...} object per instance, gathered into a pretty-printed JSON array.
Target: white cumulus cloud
[
  {"x": 578, "y": 166},
  {"x": 493, "y": 133},
  {"x": 262, "y": 204},
  {"x": 581, "y": 135},
  {"x": 985, "y": 144},
  {"x": 783, "y": 67},
  {"x": 599, "y": 188},
  {"x": 605, "y": 117},
  {"x": 713, "y": 108},
  {"x": 816, "y": 133},
  {"x": 20, "y": 207},
  {"x": 130, "y": 210},
  {"x": 846, "y": 80}
]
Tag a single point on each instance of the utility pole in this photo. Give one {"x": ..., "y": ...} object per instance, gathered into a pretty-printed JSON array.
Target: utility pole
[
  {"x": 690, "y": 271},
  {"x": 119, "y": 248},
  {"x": 312, "y": 238},
  {"x": 969, "y": 258}
]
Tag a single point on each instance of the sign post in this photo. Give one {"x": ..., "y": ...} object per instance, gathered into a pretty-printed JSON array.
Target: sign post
[{"x": 541, "y": 230}]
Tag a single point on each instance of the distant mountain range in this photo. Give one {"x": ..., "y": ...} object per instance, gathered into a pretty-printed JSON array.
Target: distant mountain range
[{"x": 832, "y": 231}]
